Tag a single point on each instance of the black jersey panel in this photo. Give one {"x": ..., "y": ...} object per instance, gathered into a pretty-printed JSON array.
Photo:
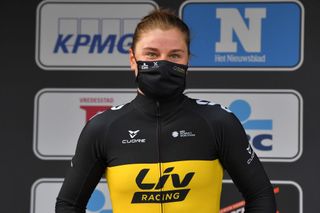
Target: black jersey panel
[
  {"x": 131, "y": 140},
  {"x": 186, "y": 136},
  {"x": 148, "y": 143},
  {"x": 136, "y": 138}
]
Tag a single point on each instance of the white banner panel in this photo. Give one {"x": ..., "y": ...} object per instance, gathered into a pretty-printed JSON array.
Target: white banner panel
[
  {"x": 288, "y": 194},
  {"x": 60, "y": 115},
  {"x": 272, "y": 119},
  {"x": 45, "y": 191},
  {"x": 95, "y": 35}
]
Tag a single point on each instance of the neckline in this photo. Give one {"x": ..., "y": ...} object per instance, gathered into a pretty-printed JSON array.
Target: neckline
[{"x": 156, "y": 108}]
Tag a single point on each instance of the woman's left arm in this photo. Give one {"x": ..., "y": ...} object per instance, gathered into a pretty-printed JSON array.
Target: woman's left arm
[{"x": 244, "y": 167}]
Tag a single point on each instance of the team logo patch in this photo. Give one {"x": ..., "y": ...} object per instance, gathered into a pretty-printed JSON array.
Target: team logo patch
[
  {"x": 133, "y": 140},
  {"x": 133, "y": 134},
  {"x": 153, "y": 193},
  {"x": 183, "y": 134}
]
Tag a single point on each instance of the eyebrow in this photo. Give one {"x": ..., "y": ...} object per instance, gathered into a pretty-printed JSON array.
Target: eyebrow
[
  {"x": 177, "y": 50},
  {"x": 150, "y": 48},
  {"x": 155, "y": 49}
]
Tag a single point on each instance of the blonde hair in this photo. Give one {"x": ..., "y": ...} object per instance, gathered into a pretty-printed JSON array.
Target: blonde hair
[{"x": 163, "y": 19}]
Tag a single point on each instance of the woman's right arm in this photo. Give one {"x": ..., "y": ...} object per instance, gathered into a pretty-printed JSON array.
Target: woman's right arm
[{"x": 86, "y": 169}]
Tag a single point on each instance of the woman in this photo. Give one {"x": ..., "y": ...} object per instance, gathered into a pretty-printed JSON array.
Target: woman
[{"x": 164, "y": 152}]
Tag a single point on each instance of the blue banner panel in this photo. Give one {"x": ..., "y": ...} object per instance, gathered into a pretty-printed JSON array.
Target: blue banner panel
[{"x": 245, "y": 35}]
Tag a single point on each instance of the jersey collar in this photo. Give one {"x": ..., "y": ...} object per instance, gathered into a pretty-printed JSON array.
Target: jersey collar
[{"x": 153, "y": 107}]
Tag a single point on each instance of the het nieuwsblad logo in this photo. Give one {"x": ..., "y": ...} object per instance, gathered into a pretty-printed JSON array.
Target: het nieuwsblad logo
[
  {"x": 245, "y": 35},
  {"x": 154, "y": 193}
]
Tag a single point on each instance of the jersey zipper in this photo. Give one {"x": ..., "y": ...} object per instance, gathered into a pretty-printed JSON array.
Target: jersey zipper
[{"x": 158, "y": 144}]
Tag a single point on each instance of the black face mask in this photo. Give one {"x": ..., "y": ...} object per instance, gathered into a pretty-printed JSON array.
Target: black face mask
[{"x": 161, "y": 79}]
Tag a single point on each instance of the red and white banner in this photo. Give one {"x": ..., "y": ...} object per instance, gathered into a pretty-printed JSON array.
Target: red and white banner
[{"x": 60, "y": 115}]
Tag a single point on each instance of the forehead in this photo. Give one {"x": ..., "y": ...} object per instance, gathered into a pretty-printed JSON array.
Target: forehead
[{"x": 163, "y": 40}]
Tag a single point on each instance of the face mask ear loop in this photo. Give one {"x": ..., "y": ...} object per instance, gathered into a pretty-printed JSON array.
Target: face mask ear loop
[
  {"x": 185, "y": 79},
  {"x": 137, "y": 77},
  {"x": 134, "y": 56}
]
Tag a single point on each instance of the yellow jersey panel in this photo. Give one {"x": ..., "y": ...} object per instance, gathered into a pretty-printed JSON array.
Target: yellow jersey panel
[{"x": 173, "y": 187}]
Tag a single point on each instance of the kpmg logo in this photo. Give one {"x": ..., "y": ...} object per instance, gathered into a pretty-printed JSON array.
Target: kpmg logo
[
  {"x": 79, "y": 41},
  {"x": 272, "y": 119},
  {"x": 245, "y": 35},
  {"x": 61, "y": 114},
  {"x": 79, "y": 35},
  {"x": 44, "y": 193}
]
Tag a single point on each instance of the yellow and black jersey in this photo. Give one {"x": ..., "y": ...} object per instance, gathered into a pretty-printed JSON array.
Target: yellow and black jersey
[{"x": 165, "y": 157}]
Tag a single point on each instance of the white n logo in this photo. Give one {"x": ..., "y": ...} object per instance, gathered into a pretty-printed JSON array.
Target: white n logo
[{"x": 231, "y": 20}]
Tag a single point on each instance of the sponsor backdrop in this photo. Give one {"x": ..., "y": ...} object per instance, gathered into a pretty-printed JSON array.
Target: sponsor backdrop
[{"x": 64, "y": 61}]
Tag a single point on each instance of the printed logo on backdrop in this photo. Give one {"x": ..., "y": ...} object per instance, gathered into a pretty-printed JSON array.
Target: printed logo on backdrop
[
  {"x": 44, "y": 193},
  {"x": 272, "y": 119},
  {"x": 60, "y": 115},
  {"x": 77, "y": 35},
  {"x": 262, "y": 140},
  {"x": 245, "y": 35},
  {"x": 288, "y": 196}
]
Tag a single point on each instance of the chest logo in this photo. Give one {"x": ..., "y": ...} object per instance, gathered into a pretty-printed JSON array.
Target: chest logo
[
  {"x": 182, "y": 134},
  {"x": 133, "y": 134},
  {"x": 152, "y": 192}
]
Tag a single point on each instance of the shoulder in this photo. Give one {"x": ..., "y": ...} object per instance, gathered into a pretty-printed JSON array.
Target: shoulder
[
  {"x": 104, "y": 119},
  {"x": 209, "y": 108},
  {"x": 213, "y": 113}
]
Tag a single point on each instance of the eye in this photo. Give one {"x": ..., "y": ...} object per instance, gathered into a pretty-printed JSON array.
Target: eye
[
  {"x": 151, "y": 54},
  {"x": 175, "y": 56}
]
